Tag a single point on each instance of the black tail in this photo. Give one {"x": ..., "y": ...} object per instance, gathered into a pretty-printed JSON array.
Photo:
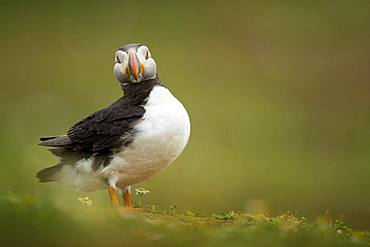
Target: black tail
[
  {"x": 67, "y": 157},
  {"x": 49, "y": 174}
]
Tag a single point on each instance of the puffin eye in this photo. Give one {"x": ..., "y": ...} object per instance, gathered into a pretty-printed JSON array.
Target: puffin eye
[
  {"x": 119, "y": 61},
  {"x": 147, "y": 55}
]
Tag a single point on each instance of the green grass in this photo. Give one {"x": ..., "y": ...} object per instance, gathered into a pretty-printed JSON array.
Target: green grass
[{"x": 43, "y": 223}]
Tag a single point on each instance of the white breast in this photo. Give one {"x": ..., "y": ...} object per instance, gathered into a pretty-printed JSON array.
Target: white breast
[{"x": 160, "y": 138}]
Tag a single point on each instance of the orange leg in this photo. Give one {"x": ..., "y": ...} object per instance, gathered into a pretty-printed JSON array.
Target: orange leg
[
  {"x": 113, "y": 194},
  {"x": 127, "y": 198},
  {"x": 127, "y": 201}
]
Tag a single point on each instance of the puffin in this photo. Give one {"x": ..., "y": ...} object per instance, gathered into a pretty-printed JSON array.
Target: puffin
[{"x": 131, "y": 140}]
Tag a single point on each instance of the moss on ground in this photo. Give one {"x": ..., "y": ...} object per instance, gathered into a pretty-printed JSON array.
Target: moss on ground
[{"x": 26, "y": 222}]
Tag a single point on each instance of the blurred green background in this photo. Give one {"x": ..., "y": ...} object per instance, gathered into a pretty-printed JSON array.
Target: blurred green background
[{"x": 278, "y": 93}]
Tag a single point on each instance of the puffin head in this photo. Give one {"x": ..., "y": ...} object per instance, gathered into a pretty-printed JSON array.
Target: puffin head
[{"x": 134, "y": 64}]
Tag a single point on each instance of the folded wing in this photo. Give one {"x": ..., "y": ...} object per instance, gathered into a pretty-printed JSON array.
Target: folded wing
[{"x": 111, "y": 127}]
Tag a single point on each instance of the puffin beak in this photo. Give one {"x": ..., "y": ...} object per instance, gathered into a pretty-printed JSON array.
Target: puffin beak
[{"x": 133, "y": 64}]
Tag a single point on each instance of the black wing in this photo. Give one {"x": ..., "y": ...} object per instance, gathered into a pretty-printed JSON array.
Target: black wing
[{"x": 105, "y": 129}]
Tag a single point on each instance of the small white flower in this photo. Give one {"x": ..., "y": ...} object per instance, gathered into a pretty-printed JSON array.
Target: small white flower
[
  {"x": 141, "y": 191},
  {"x": 85, "y": 201}
]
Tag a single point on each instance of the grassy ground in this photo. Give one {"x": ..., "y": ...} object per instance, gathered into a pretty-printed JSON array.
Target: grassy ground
[{"x": 44, "y": 223}]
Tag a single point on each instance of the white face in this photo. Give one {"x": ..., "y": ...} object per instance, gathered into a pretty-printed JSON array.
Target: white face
[{"x": 134, "y": 65}]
